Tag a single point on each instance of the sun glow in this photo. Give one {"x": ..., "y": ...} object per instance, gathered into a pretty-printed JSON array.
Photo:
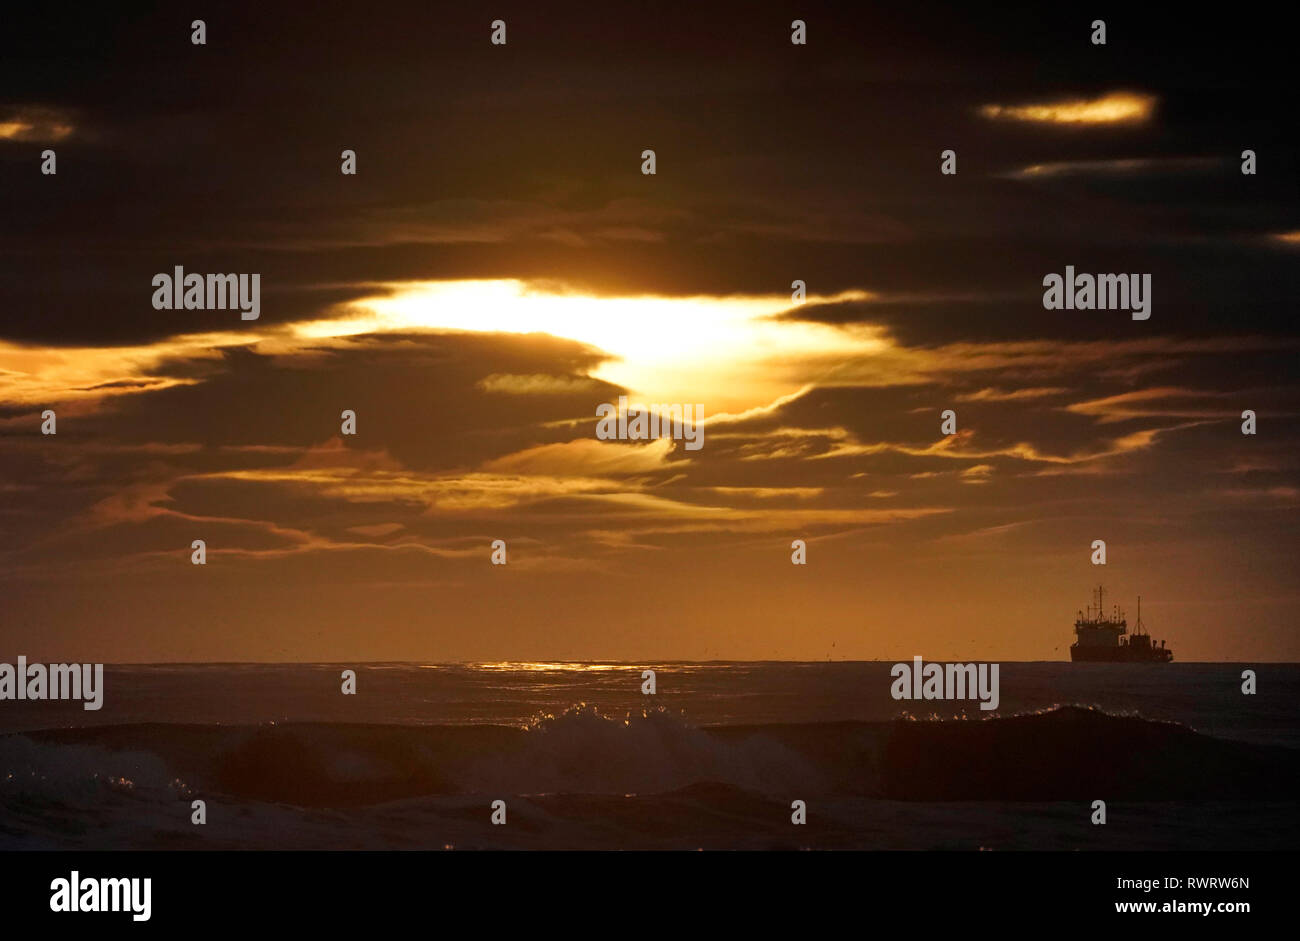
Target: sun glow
[{"x": 727, "y": 353}]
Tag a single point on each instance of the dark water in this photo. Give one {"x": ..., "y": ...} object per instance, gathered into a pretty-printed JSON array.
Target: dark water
[{"x": 583, "y": 759}]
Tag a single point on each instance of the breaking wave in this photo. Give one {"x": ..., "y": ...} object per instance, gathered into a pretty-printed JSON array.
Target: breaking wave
[{"x": 1063, "y": 753}]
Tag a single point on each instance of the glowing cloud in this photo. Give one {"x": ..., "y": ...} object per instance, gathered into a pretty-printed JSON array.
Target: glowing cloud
[
  {"x": 41, "y": 375},
  {"x": 725, "y": 353},
  {"x": 1114, "y": 108},
  {"x": 35, "y": 124}
]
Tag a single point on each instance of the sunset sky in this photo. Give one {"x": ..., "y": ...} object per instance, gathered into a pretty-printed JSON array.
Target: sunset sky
[{"x": 499, "y": 267}]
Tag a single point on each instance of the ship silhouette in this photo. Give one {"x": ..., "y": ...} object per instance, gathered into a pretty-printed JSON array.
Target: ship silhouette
[{"x": 1102, "y": 637}]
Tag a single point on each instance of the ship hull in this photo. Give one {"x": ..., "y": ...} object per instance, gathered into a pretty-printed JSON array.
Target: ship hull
[{"x": 1119, "y": 655}]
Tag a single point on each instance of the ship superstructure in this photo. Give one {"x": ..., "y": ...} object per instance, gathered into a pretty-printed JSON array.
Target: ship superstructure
[{"x": 1102, "y": 636}]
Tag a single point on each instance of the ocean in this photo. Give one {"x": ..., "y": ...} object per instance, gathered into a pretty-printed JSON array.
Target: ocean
[{"x": 720, "y": 757}]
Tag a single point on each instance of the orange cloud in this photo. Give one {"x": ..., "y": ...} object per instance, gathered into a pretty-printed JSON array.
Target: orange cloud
[
  {"x": 36, "y": 125},
  {"x": 1113, "y": 108}
]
